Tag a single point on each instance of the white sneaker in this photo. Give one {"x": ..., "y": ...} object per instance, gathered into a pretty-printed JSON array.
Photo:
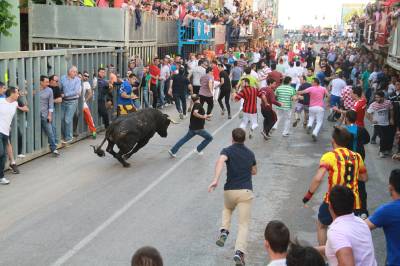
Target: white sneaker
[
  {"x": 55, "y": 153},
  {"x": 21, "y": 156},
  {"x": 285, "y": 134},
  {"x": 199, "y": 152},
  {"x": 4, "y": 181},
  {"x": 173, "y": 155}
]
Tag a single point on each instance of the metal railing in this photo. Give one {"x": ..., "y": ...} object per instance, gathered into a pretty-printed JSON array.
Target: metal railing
[{"x": 23, "y": 69}]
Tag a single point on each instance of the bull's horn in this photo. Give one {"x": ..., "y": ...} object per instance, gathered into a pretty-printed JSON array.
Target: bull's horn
[{"x": 172, "y": 120}]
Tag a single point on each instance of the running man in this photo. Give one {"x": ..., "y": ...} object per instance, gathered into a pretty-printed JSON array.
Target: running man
[
  {"x": 285, "y": 95},
  {"x": 267, "y": 100},
  {"x": 344, "y": 168},
  {"x": 249, "y": 95},
  {"x": 238, "y": 190},
  {"x": 126, "y": 97},
  {"x": 225, "y": 90}
]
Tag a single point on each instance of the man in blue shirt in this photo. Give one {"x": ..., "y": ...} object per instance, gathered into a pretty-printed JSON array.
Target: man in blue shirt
[
  {"x": 387, "y": 216},
  {"x": 126, "y": 96},
  {"x": 238, "y": 190}
]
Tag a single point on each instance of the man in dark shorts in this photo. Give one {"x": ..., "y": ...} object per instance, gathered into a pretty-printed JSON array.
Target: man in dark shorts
[
  {"x": 345, "y": 168},
  {"x": 238, "y": 190},
  {"x": 225, "y": 90}
]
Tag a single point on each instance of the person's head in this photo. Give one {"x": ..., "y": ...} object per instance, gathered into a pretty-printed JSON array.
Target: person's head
[
  {"x": 85, "y": 76},
  {"x": 394, "y": 184},
  {"x": 341, "y": 201},
  {"x": 351, "y": 117},
  {"x": 235, "y": 63},
  {"x": 315, "y": 82},
  {"x": 246, "y": 82},
  {"x": 277, "y": 237},
  {"x": 340, "y": 137},
  {"x": 291, "y": 64},
  {"x": 44, "y": 81},
  {"x": 356, "y": 93},
  {"x": 287, "y": 80},
  {"x": 247, "y": 70},
  {"x": 147, "y": 256},
  {"x": 297, "y": 63},
  {"x": 303, "y": 256},
  {"x": 271, "y": 82},
  {"x": 101, "y": 72},
  {"x": 72, "y": 72},
  {"x": 379, "y": 96},
  {"x": 209, "y": 70},
  {"x": 273, "y": 66},
  {"x": 200, "y": 62},
  {"x": 323, "y": 68},
  {"x": 2, "y": 88},
  {"x": 221, "y": 67},
  {"x": 238, "y": 135},
  {"x": 253, "y": 66},
  {"x": 12, "y": 93},
  {"x": 156, "y": 61},
  {"x": 262, "y": 63},
  {"x": 132, "y": 78},
  {"x": 53, "y": 81}
]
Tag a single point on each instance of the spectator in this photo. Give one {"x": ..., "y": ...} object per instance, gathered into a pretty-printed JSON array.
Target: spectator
[
  {"x": 154, "y": 72},
  {"x": 54, "y": 85},
  {"x": 71, "y": 89},
  {"x": 349, "y": 240},
  {"x": 8, "y": 107},
  {"x": 387, "y": 217},
  {"x": 304, "y": 256},
  {"x": 103, "y": 96},
  {"x": 87, "y": 94},
  {"x": 46, "y": 113},
  {"x": 147, "y": 256},
  {"x": 277, "y": 239},
  {"x": 178, "y": 88},
  {"x": 206, "y": 90}
]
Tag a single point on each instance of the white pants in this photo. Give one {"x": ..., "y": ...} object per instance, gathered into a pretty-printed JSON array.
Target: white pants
[
  {"x": 284, "y": 116},
  {"x": 316, "y": 113},
  {"x": 216, "y": 90},
  {"x": 249, "y": 117}
]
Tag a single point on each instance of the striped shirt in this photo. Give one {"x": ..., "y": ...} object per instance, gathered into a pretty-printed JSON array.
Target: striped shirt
[
  {"x": 284, "y": 94},
  {"x": 344, "y": 168},
  {"x": 249, "y": 94}
]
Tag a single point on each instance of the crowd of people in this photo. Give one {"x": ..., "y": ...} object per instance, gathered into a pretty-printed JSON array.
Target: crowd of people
[{"x": 288, "y": 86}]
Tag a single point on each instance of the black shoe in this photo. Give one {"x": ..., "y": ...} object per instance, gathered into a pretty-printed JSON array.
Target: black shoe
[
  {"x": 309, "y": 130},
  {"x": 314, "y": 137},
  {"x": 222, "y": 238},
  {"x": 229, "y": 116},
  {"x": 239, "y": 258},
  {"x": 14, "y": 168},
  {"x": 295, "y": 122}
]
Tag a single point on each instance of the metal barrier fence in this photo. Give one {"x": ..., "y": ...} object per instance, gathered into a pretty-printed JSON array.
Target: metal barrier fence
[{"x": 23, "y": 69}]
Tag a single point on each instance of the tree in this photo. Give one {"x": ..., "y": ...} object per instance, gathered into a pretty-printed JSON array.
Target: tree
[{"x": 7, "y": 20}]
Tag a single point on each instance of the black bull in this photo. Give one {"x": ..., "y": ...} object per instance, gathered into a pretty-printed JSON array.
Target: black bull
[{"x": 132, "y": 132}]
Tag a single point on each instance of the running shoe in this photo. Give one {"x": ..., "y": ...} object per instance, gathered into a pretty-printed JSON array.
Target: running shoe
[
  {"x": 222, "y": 112},
  {"x": 199, "y": 152},
  {"x": 4, "y": 181},
  {"x": 229, "y": 116},
  {"x": 222, "y": 238},
  {"x": 180, "y": 116},
  {"x": 295, "y": 122},
  {"x": 55, "y": 153},
  {"x": 382, "y": 155},
  {"x": 173, "y": 155},
  {"x": 309, "y": 130},
  {"x": 314, "y": 137},
  {"x": 266, "y": 137},
  {"x": 251, "y": 134},
  {"x": 285, "y": 134},
  {"x": 239, "y": 258},
  {"x": 14, "y": 168}
]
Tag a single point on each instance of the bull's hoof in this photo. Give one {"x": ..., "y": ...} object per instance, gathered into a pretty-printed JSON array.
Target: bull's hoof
[{"x": 126, "y": 165}]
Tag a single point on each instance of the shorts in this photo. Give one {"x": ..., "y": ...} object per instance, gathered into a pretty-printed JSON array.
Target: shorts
[
  {"x": 300, "y": 107},
  {"x": 335, "y": 101},
  {"x": 125, "y": 109},
  {"x": 324, "y": 216}
]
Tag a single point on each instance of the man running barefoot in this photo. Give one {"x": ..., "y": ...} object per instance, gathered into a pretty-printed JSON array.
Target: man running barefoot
[{"x": 238, "y": 190}]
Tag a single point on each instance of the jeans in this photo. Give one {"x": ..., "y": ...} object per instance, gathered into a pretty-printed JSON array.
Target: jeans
[
  {"x": 154, "y": 89},
  {"x": 189, "y": 135},
  {"x": 145, "y": 97},
  {"x": 48, "y": 129},
  {"x": 68, "y": 109},
  {"x": 180, "y": 103},
  {"x": 162, "y": 93},
  {"x": 316, "y": 113},
  {"x": 3, "y": 153},
  {"x": 54, "y": 125}
]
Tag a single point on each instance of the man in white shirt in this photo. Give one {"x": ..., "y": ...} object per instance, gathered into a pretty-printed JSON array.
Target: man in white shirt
[
  {"x": 263, "y": 74},
  {"x": 336, "y": 87},
  {"x": 277, "y": 238},
  {"x": 165, "y": 72},
  {"x": 349, "y": 238},
  {"x": 293, "y": 73},
  {"x": 8, "y": 107}
]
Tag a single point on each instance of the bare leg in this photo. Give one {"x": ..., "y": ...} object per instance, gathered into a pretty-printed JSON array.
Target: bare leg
[{"x": 322, "y": 233}]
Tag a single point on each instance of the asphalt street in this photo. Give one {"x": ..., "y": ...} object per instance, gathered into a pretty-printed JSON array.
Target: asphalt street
[{"x": 80, "y": 209}]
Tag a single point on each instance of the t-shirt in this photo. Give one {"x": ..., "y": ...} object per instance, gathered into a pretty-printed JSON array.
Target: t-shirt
[
  {"x": 337, "y": 86},
  {"x": 387, "y": 216},
  {"x": 350, "y": 231},
  {"x": 360, "y": 107},
  {"x": 306, "y": 97},
  {"x": 236, "y": 73},
  {"x": 197, "y": 73},
  {"x": 7, "y": 111},
  {"x": 294, "y": 74},
  {"x": 46, "y": 101},
  {"x": 204, "y": 86},
  {"x": 127, "y": 88},
  {"x": 56, "y": 92},
  {"x": 281, "y": 262},
  {"x": 227, "y": 82},
  {"x": 195, "y": 122},
  {"x": 85, "y": 88},
  {"x": 179, "y": 84},
  {"x": 239, "y": 164},
  {"x": 317, "y": 95},
  {"x": 249, "y": 94},
  {"x": 154, "y": 71},
  {"x": 348, "y": 101},
  {"x": 284, "y": 94},
  {"x": 344, "y": 168},
  {"x": 321, "y": 77},
  {"x": 380, "y": 112}
]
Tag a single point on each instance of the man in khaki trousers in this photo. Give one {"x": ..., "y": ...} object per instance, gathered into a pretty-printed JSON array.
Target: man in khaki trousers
[{"x": 238, "y": 190}]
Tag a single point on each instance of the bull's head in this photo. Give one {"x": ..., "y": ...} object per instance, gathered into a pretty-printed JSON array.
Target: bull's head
[{"x": 164, "y": 124}]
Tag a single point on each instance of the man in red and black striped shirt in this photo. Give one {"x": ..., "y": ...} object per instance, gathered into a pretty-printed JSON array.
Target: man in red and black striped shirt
[{"x": 249, "y": 95}]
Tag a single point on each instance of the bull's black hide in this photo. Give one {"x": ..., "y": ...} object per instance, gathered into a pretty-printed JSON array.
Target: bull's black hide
[{"x": 132, "y": 132}]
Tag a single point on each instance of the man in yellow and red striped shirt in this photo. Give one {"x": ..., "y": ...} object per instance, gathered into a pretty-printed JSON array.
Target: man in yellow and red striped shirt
[{"x": 345, "y": 168}]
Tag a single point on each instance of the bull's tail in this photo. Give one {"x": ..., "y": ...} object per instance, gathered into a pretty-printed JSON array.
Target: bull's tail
[{"x": 98, "y": 150}]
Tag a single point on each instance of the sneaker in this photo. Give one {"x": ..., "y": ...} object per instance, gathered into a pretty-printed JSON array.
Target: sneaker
[
  {"x": 229, "y": 116},
  {"x": 239, "y": 258},
  {"x": 94, "y": 135},
  {"x": 180, "y": 116},
  {"x": 285, "y": 134},
  {"x": 4, "y": 181},
  {"x": 314, "y": 137},
  {"x": 67, "y": 141},
  {"x": 382, "y": 155},
  {"x": 251, "y": 134},
  {"x": 21, "y": 156},
  {"x": 167, "y": 104},
  {"x": 14, "y": 168},
  {"x": 222, "y": 112},
  {"x": 305, "y": 125},
  {"x": 266, "y": 137},
  {"x": 199, "y": 152},
  {"x": 372, "y": 141},
  {"x": 173, "y": 155},
  {"x": 309, "y": 130},
  {"x": 295, "y": 122},
  {"x": 222, "y": 238},
  {"x": 55, "y": 153},
  {"x": 241, "y": 114}
]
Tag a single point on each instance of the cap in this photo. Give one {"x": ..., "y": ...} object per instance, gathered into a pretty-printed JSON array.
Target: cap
[{"x": 167, "y": 57}]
